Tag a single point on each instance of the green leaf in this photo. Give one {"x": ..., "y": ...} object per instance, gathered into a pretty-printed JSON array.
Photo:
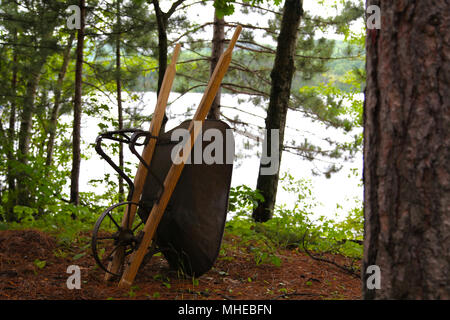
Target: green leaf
[
  {"x": 40, "y": 264},
  {"x": 78, "y": 256}
]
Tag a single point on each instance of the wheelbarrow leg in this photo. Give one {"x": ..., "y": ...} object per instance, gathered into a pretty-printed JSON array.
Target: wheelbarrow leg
[
  {"x": 175, "y": 171},
  {"x": 141, "y": 175}
]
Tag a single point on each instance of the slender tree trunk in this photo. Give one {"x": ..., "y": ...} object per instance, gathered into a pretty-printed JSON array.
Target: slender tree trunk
[
  {"x": 406, "y": 151},
  {"x": 161, "y": 21},
  {"x": 11, "y": 175},
  {"x": 3, "y": 138},
  {"x": 281, "y": 75},
  {"x": 55, "y": 110},
  {"x": 26, "y": 124},
  {"x": 119, "y": 98},
  {"x": 217, "y": 49},
  {"x": 76, "y": 151},
  {"x": 27, "y": 115},
  {"x": 162, "y": 50},
  {"x": 12, "y": 123}
]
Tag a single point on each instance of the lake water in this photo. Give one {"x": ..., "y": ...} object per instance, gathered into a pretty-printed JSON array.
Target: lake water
[{"x": 342, "y": 188}]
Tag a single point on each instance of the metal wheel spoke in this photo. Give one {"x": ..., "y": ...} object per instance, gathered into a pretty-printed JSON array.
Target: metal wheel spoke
[
  {"x": 111, "y": 217},
  {"x": 139, "y": 224},
  {"x": 111, "y": 237}
]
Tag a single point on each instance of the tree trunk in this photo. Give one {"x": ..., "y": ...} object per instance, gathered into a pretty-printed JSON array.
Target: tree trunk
[
  {"x": 26, "y": 124},
  {"x": 406, "y": 151},
  {"x": 76, "y": 152},
  {"x": 281, "y": 75},
  {"x": 12, "y": 121},
  {"x": 119, "y": 99},
  {"x": 162, "y": 43},
  {"x": 161, "y": 21},
  {"x": 217, "y": 49},
  {"x": 55, "y": 111},
  {"x": 11, "y": 175}
]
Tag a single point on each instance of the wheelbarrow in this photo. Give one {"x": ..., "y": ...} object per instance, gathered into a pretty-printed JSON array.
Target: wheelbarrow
[{"x": 174, "y": 205}]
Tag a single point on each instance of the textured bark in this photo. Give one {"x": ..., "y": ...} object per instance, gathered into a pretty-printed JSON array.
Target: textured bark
[
  {"x": 217, "y": 49},
  {"x": 282, "y": 74},
  {"x": 11, "y": 175},
  {"x": 406, "y": 151},
  {"x": 119, "y": 98},
  {"x": 76, "y": 152},
  {"x": 55, "y": 110},
  {"x": 161, "y": 21},
  {"x": 12, "y": 123}
]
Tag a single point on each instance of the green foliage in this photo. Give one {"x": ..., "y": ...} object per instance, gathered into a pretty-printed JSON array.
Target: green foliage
[
  {"x": 58, "y": 221},
  {"x": 243, "y": 199},
  {"x": 226, "y": 7},
  {"x": 40, "y": 264},
  {"x": 292, "y": 227}
]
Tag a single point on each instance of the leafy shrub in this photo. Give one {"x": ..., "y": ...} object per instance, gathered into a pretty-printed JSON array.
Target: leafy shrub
[{"x": 292, "y": 227}]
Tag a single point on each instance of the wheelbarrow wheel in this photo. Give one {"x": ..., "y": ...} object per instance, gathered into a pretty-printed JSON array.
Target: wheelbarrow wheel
[{"x": 109, "y": 236}]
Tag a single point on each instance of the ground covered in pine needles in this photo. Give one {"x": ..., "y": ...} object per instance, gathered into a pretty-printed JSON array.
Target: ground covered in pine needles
[{"x": 34, "y": 266}]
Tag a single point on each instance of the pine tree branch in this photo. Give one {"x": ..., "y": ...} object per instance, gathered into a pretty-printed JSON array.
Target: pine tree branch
[
  {"x": 192, "y": 31},
  {"x": 172, "y": 9},
  {"x": 251, "y": 91}
]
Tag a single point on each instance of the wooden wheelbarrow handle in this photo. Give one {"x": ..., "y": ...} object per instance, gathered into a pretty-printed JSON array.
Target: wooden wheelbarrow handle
[
  {"x": 175, "y": 171},
  {"x": 147, "y": 155}
]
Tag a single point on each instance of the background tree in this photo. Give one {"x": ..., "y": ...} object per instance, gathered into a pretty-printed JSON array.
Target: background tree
[
  {"x": 53, "y": 121},
  {"x": 30, "y": 32},
  {"x": 281, "y": 75},
  {"x": 119, "y": 94},
  {"x": 311, "y": 57},
  {"x": 406, "y": 153},
  {"x": 77, "y": 109},
  {"x": 218, "y": 40}
]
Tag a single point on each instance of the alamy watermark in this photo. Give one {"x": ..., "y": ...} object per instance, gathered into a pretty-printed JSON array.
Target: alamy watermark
[
  {"x": 74, "y": 280},
  {"x": 220, "y": 150},
  {"x": 374, "y": 280},
  {"x": 74, "y": 20},
  {"x": 374, "y": 19}
]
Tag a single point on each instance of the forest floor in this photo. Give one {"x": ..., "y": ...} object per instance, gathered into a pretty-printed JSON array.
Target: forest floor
[{"x": 34, "y": 266}]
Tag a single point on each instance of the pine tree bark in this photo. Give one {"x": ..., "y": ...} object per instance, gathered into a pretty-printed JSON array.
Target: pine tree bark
[
  {"x": 11, "y": 137},
  {"x": 76, "y": 147},
  {"x": 119, "y": 99},
  {"x": 12, "y": 123},
  {"x": 406, "y": 151},
  {"x": 281, "y": 75},
  {"x": 217, "y": 49},
  {"x": 161, "y": 21}
]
